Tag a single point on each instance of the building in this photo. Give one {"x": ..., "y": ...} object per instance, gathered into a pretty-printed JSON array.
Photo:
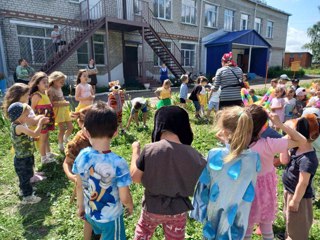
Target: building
[
  {"x": 305, "y": 59},
  {"x": 130, "y": 38}
]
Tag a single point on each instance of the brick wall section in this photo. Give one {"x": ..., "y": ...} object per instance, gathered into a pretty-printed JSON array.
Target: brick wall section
[{"x": 305, "y": 59}]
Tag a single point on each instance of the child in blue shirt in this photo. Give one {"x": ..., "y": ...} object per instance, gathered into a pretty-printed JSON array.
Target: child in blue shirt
[
  {"x": 103, "y": 177},
  {"x": 184, "y": 89}
]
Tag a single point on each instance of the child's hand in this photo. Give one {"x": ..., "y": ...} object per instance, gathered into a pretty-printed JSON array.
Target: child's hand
[
  {"x": 67, "y": 103},
  {"x": 293, "y": 206},
  {"x": 81, "y": 213},
  {"x": 275, "y": 119},
  {"x": 136, "y": 146},
  {"x": 44, "y": 120},
  {"x": 128, "y": 211}
]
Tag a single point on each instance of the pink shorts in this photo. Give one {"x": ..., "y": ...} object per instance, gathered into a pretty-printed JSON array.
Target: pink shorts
[{"x": 173, "y": 225}]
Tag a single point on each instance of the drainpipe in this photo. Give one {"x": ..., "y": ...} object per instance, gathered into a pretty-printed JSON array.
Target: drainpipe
[
  {"x": 199, "y": 36},
  {"x": 3, "y": 60}
]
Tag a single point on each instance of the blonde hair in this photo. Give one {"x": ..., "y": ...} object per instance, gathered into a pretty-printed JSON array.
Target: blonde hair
[
  {"x": 56, "y": 75},
  {"x": 13, "y": 94},
  {"x": 238, "y": 123},
  {"x": 166, "y": 82}
]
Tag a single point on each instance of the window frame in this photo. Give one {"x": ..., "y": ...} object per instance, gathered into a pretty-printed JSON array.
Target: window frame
[
  {"x": 268, "y": 27},
  {"x": 244, "y": 19},
  {"x": 216, "y": 13},
  {"x": 183, "y": 58},
  {"x": 260, "y": 24},
  {"x": 224, "y": 18},
  {"x": 188, "y": 8},
  {"x": 156, "y": 4},
  {"x": 33, "y": 50}
]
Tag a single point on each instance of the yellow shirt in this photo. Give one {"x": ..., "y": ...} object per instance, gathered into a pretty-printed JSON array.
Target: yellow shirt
[{"x": 164, "y": 93}]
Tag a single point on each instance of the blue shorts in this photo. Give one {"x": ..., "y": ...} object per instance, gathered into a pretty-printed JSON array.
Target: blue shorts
[
  {"x": 197, "y": 105},
  {"x": 109, "y": 230},
  {"x": 213, "y": 105},
  {"x": 144, "y": 110}
]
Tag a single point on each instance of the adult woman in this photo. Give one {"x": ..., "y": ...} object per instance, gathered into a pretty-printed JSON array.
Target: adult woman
[
  {"x": 228, "y": 77},
  {"x": 163, "y": 73},
  {"x": 92, "y": 72}
]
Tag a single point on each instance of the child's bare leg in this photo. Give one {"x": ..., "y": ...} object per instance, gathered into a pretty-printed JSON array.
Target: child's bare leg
[
  {"x": 136, "y": 118},
  {"x": 61, "y": 133},
  {"x": 47, "y": 143},
  {"x": 87, "y": 231},
  {"x": 144, "y": 118},
  {"x": 42, "y": 144},
  {"x": 69, "y": 130}
]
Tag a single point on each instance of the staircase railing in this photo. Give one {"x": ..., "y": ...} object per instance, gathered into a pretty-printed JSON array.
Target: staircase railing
[
  {"x": 162, "y": 32},
  {"x": 87, "y": 18}
]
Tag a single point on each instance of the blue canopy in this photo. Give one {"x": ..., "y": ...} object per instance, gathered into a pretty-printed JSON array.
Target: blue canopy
[{"x": 246, "y": 39}]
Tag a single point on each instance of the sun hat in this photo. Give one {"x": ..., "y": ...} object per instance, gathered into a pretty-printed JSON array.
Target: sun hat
[
  {"x": 15, "y": 110},
  {"x": 56, "y": 75},
  {"x": 301, "y": 92},
  {"x": 284, "y": 77}
]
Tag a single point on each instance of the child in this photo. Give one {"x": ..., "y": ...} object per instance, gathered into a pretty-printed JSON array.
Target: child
[
  {"x": 195, "y": 94},
  {"x": 252, "y": 93},
  {"x": 225, "y": 191},
  {"x": 267, "y": 98},
  {"x": 264, "y": 206},
  {"x": 277, "y": 103},
  {"x": 283, "y": 79},
  {"x": 168, "y": 168},
  {"x": 84, "y": 92},
  {"x": 295, "y": 83},
  {"x": 302, "y": 164},
  {"x": 102, "y": 177},
  {"x": 184, "y": 89},
  {"x": 214, "y": 99},
  {"x": 41, "y": 105},
  {"x": 290, "y": 104},
  {"x": 313, "y": 100},
  {"x": 138, "y": 104},
  {"x": 20, "y": 92},
  {"x": 301, "y": 102},
  {"x": 203, "y": 98},
  {"x": 24, "y": 148},
  {"x": 60, "y": 107},
  {"x": 164, "y": 94}
]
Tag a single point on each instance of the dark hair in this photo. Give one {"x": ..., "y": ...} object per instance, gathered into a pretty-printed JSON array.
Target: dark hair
[
  {"x": 55, "y": 26},
  {"x": 20, "y": 60},
  {"x": 101, "y": 120},
  {"x": 259, "y": 118},
  {"x": 137, "y": 105},
  {"x": 252, "y": 91},
  {"x": 201, "y": 79},
  {"x": 80, "y": 72},
  {"x": 35, "y": 80},
  {"x": 13, "y": 94}
]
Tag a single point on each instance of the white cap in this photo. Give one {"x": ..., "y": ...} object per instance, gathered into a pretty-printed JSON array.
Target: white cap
[
  {"x": 301, "y": 91},
  {"x": 311, "y": 110},
  {"x": 285, "y": 77}
]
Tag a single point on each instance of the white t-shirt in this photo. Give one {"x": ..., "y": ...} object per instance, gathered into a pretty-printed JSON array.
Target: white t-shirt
[{"x": 215, "y": 96}]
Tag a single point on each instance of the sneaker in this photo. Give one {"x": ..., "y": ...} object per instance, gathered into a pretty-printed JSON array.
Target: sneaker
[
  {"x": 52, "y": 155},
  {"x": 30, "y": 200},
  {"x": 37, "y": 178},
  {"x": 47, "y": 160}
]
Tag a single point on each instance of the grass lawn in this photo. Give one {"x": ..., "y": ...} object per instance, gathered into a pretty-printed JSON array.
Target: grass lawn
[{"x": 55, "y": 217}]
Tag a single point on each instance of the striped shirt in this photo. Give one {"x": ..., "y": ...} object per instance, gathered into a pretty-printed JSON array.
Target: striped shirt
[{"x": 224, "y": 77}]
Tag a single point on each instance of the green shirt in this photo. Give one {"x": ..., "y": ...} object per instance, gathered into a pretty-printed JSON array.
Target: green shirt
[
  {"x": 23, "y": 144},
  {"x": 23, "y": 73}
]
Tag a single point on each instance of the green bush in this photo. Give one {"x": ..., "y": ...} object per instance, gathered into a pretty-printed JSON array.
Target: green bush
[{"x": 275, "y": 72}]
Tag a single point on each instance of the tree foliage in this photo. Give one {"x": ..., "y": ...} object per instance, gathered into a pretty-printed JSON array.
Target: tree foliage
[{"x": 314, "y": 45}]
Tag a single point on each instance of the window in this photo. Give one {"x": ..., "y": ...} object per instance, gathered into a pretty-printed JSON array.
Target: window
[
  {"x": 188, "y": 11},
  {"x": 156, "y": 59},
  {"x": 35, "y": 44},
  {"x": 188, "y": 54},
  {"x": 244, "y": 22},
  {"x": 228, "y": 19},
  {"x": 137, "y": 8},
  {"x": 300, "y": 55},
  {"x": 98, "y": 50},
  {"x": 269, "y": 29},
  {"x": 162, "y": 9},
  {"x": 211, "y": 12},
  {"x": 257, "y": 25}
]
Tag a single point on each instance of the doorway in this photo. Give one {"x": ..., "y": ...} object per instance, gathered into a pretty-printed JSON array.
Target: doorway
[{"x": 130, "y": 65}]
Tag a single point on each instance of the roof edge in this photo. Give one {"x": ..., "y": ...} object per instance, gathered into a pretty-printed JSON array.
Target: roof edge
[{"x": 259, "y": 2}]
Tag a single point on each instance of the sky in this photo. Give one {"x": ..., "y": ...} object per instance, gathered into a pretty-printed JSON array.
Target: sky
[{"x": 304, "y": 13}]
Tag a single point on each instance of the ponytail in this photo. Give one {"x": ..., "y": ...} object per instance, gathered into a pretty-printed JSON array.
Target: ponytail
[{"x": 238, "y": 122}]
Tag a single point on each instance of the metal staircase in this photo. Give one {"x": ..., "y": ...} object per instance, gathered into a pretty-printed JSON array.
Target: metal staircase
[{"x": 91, "y": 19}]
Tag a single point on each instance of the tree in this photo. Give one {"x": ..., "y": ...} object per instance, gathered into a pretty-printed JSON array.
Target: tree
[{"x": 314, "y": 45}]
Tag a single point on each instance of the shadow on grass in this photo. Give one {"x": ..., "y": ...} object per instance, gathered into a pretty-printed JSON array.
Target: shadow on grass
[{"x": 37, "y": 221}]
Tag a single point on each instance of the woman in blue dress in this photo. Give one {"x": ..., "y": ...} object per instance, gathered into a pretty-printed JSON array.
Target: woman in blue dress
[{"x": 163, "y": 73}]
